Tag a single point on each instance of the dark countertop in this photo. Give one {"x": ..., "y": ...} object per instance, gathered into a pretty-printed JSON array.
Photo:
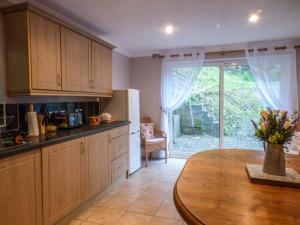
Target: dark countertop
[{"x": 58, "y": 137}]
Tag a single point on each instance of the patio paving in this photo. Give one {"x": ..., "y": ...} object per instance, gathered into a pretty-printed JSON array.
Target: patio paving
[{"x": 190, "y": 144}]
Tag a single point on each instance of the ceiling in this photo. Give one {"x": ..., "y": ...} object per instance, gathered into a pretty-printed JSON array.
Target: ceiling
[{"x": 135, "y": 26}]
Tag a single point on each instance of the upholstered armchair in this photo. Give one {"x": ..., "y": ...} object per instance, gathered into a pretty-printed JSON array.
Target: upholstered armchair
[{"x": 152, "y": 139}]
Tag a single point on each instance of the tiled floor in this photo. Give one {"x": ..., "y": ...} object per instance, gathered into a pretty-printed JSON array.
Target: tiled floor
[{"x": 143, "y": 199}]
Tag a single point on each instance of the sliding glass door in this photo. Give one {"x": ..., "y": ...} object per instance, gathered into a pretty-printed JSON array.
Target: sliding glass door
[
  {"x": 241, "y": 104},
  {"x": 196, "y": 125},
  {"x": 218, "y": 112}
]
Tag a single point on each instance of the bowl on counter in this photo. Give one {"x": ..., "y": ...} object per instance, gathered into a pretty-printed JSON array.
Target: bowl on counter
[
  {"x": 94, "y": 120},
  {"x": 51, "y": 128},
  {"x": 106, "y": 117}
]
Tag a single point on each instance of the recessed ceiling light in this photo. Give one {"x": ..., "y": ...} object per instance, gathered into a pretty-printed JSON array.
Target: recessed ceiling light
[
  {"x": 253, "y": 18},
  {"x": 169, "y": 29}
]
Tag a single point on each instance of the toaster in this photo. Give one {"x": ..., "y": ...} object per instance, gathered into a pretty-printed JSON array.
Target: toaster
[{"x": 68, "y": 120}]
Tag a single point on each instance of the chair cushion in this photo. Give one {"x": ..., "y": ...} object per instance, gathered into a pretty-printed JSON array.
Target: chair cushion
[
  {"x": 155, "y": 140},
  {"x": 147, "y": 129}
]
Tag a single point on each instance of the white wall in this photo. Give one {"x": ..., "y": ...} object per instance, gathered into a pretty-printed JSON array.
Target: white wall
[
  {"x": 145, "y": 76},
  {"x": 120, "y": 71}
]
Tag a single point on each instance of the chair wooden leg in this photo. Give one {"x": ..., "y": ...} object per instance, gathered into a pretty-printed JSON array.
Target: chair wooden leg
[{"x": 146, "y": 159}]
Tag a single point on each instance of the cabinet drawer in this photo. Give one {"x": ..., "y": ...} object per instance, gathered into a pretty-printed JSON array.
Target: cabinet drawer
[
  {"x": 118, "y": 146},
  {"x": 118, "y": 131},
  {"x": 119, "y": 167}
]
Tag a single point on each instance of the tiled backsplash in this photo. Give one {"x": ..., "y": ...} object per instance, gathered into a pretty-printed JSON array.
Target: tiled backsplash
[{"x": 16, "y": 113}]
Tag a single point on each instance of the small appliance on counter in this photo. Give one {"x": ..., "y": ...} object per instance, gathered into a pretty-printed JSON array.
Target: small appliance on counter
[{"x": 67, "y": 120}]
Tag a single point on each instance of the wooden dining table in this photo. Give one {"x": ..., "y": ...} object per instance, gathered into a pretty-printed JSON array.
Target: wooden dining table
[{"x": 213, "y": 188}]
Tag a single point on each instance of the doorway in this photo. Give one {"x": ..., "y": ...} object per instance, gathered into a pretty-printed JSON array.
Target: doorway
[{"x": 218, "y": 112}]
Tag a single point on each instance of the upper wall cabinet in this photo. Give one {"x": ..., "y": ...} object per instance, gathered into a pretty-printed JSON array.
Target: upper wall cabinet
[
  {"x": 44, "y": 53},
  {"x": 33, "y": 53},
  {"x": 76, "y": 58},
  {"x": 47, "y": 56},
  {"x": 101, "y": 68}
]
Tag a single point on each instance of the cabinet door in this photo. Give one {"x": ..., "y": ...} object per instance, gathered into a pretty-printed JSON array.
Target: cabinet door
[
  {"x": 63, "y": 184},
  {"x": 119, "y": 167},
  {"x": 76, "y": 61},
  {"x": 98, "y": 163},
  {"x": 118, "y": 146},
  {"x": 45, "y": 53},
  {"x": 20, "y": 190},
  {"x": 101, "y": 64}
]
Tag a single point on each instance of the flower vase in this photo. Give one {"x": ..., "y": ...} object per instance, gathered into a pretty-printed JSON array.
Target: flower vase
[{"x": 274, "y": 162}]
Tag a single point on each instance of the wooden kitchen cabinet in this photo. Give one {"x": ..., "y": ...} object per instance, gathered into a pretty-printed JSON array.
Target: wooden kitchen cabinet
[
  {"x": 63, "y": 179},
  {"x": 98, "y": 163},
  {"x": 45, "y": 53},
  {"x": 43, "y": 186},
  {"x": 20, "y": 189},
  {"x": 33, "y": 53},
  {"x": 118, "y": 146},
  {"x": 118, "y": 151},
  {"x": 119, "y": 167},
  {"x": 76, "y": 61},
  {"x": 49, "y": 57},
  {"x": 101, "y": 68}
]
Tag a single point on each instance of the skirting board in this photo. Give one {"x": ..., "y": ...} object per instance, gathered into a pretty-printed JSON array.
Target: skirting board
[{"x": 256, "y": 175}]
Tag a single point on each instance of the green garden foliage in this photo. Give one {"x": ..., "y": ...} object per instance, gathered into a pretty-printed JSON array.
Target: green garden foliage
[{"x": 241, "y": 103}]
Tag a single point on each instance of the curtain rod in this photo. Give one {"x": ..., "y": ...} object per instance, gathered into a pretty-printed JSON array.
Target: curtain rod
[{"x": 222, "y": 52}]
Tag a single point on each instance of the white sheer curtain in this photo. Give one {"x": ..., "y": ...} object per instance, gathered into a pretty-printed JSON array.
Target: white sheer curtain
[
  {"x": 177, "y": 81},
  {"x": 274, "y": 72}
]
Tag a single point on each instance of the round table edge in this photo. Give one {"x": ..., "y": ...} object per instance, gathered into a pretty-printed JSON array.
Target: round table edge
[{"x": 188, "y": 217}]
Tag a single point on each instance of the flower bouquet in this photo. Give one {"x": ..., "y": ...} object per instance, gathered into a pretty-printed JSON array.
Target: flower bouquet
[{"x": 275, "y": 128}]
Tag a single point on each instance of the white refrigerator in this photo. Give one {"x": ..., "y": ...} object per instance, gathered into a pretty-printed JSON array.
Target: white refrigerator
[{"x": 125, "y": 105}]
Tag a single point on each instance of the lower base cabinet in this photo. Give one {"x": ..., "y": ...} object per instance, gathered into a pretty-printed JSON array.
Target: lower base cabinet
[
  {"x": 63, "y": 179},
  {"x": 119, "y": 167},
  {"x": 20, "y": 190},
  {"x": 41, "y": 187},
  {"x": 118, "y": 150},
  {"x": 97, "y": 161}
]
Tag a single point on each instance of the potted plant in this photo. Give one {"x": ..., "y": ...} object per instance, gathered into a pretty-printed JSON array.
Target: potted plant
[{"x": 275, "y": 128}]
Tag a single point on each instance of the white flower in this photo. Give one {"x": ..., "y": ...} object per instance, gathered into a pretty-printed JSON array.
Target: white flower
[
  {"x": 263, "y": 126},
  {"x": 265, "y": 114}
]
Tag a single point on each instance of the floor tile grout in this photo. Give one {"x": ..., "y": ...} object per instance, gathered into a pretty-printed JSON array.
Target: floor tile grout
[{"x": 136, "y": 182}]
